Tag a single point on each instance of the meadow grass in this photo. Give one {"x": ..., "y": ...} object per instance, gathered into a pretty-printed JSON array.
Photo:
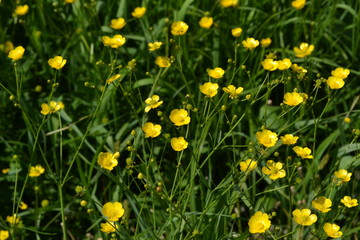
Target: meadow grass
[{"x": 88, "y": 150}]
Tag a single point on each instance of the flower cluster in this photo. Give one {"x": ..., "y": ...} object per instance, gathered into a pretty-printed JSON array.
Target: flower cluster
[
  {"x": 336, "y": 80},
  {"x": 113, "y": 42}
]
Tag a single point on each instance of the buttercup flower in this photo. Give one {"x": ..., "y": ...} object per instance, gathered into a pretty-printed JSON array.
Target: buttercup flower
[
  {"x": 248, "y": 165},
  {"x": 36, "y": 171},
  {"x": 298, "y": 69},
  {"x": 340, "y": 73},
  {"x": 267, "y": 138},
  {"x": 228, "y": 3},
  {"x": 265, "y": 42},
  {"x": 7, "y": 46},
  {"x": 138, "y": 12},
  {"x": 154, "y": 46},
  {"x": 108, "y": 227},
  {"x": 113, "y": 210},
  {"x": 284, "y": 64},
  {"x": 274, "y": 169},
  {"x": 332, "y": 230},
  {"x": 269, "y": 64},
  {"x": 298, "y": 4},
  {"x": 4, "y": 234},
  {"x": 304, "y": 217},
  {"x": 250, "y": 43},
  {"x": 14, "y": 219},
  {"x": 57, "y": 62},
  {"x": 179, "y": 28},
  {"x": 178, "y": 144},
  {"x": 21, "y": 10},
  {"x": 236, "y": 32},
  {"x": 343, "y": 175},
  {"x": 335, "y": 82},
  {"x": 152, "y": 102},
  {"x": 151, "y": 130},
  {"x": 163, "y": 62},
  {"x": 114, "y": 42},
  {"x": 293, "y": 99},
  {"x": 118, "y": 23},
  {"x": 349, "y": 202},
  {"x": 16, "y": 53},
  {"x": 206, "y": 22},
  {"x": 51, "y": 108},
  {"x": 216, "y": 73},
  {"x": 69, "y": 1},
  {"x": 233, "y": 91},
  {"x": 303, "y": 50},
  {"x": 23, "y": 206},
  {"x": 303, "y": 152},
  {"x": 179, "y": 117},
  {"x": 289, "y": 139},
  {"x": 322, "y": 204},
  {"x": 108, "y": 160},
  {"x": 113, "y": 78},
  {"x": 5, "y": 170},
  {"x": 259, "y": 222},
  {"x": 209, "y": 89}
]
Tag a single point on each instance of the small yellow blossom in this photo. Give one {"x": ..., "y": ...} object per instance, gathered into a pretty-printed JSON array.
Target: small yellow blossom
[
  {"x": 7, "y": 46},
  {"x": 267, "y": 138},
  {"x": 216, "y": 73},
  {"x": 349, "y": 202},
  {"x": 16, "y": 53},
  {"x": 118, "y": 23},
  {"x": 343, "y": 175},
  {"x": 298, "y": 69},
  {"x": 289, "y": 139},
  {"x": 36, "y": 171},
  {"x": 274, "y": 169},
  {"x": 304, "y": 217},
  {"x": 154, "y": 46},
  {"x": 152, "y": 102},
  {"x": 4, "y": 234},
  {"x": 209, "y": 89},
  {"x": 284, "y": 64},
  {"x": 22, "y": 10},
  {"x": 139, "y": 12},
  {"x": 108, "y": 227},
  {"x": 179, "y": 28},
  {"x": 44, "y": 203},
  {"x": 80, "y": 190},
  {"x": 233, "y": 91},
  {"x": 259, "y": 222},
  {"x": 5, "y": 170},
  {"x": 206, "y": 22},
  {"x": 14, "y": 219},
  {"x": 298, "y": 4},
  {"x": 163, "y": 62},
  {"x": 114, "y": 42},
  {"x": 69, "y": 1},
  {"x": 51, "y": 108},
  {"x": 228, "y": 3},
  {"x": 335, "y": 82},
  {"x": 340, "y": 73},
  {"x": 179, "y": 117},
  {"x": 332, "y": 230},
  {"x": 322, "y": 204},
  {"x": 250, "y": 43},
  {"x": 303, "y": 152},
  {"x": 57, "y": 62},
  {"x": 151, "y": 130},
  {"x": 236, "y": 32},
  {"x": 113, "y": 78},
  {"x": 178, "y": 144},
  {"x": 303, "y": 50},
  {"x": 108, "y": 160},
  {"x": 347, "y": 120},
  {"x": 113, "y": 210},
  {"x": 293, "y": 98},
  {"x": 23, "y": 206},
  {"x": 248, "y": 165},
  {"x": 269, "y": 64},
  {"x": 265, "y": 42}
]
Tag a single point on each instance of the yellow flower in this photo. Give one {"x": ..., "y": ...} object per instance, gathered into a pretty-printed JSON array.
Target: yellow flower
[
  {"x": 178, "y": 144},
  {"x": 303, "y": 50},
  {"x": 289, "y": 139},
  {"x": 349, "y": 202},
  {"x": 340, "y": 73},
  {"x": 284, "y": 64},
  {"x": 216, "y": 73},
  {"x": 293, "y": 99},
  {"x": 151, "y": 130},
  {"x": 335, "y": 82},
  {"x": 108, "y": 227},
  {"x": 298, "y": 4},
  {"x": 274, "y": 169},
  {"x": 304, "y": 217},
  {"x": 332, "y": 230},
  {"x": 23, "y": 206},
  {"x": 113, "y": 210},
  {"x": 233, "y": 91},
  {"x": 265, "y": 42},
  {"x": 259, "y": 222},
  {"x": 118, "y": 23},
  {"x": 269, "y": 64},
  {"x": 114, "y": 42},
  {"x": 16, "y": 53},
  {"x": 5, "y": 170},
  {"x": 36, "y": 171},
  {"x": 248, "y": 165},
  {"x": 57, "y": 62},
  {"x": 51, "y": 108},
  {"x": 113, "y": 78},
  {"x": 209, "y": 89},
  {"x": 236, "y": 32},
  {"x": 206, "y": 22},
  {"x": 179, "y": 117},
  {"x": 152, "y": 102},
  {"x": 298, "y": 69},
  {"x": 14, "y": 219},
  {"x": 179, "y": 28},
  {"x": 108, "y": 160},
  {"x": 163, "y": 62},
  {"x": 267, "y": 138},
  {"x": 69, "y": 1},
  {"x": 22, "y": 10},
  {"x": 347, "y": 120},
  {"x": 343, "y": 175},
  {"x": 303, "y": 152},
  {"x": 228, "y": 3},
  {"x": 7, "y": 46},
  {"x": 139, "y": 12},
  {"x": 154, "y": 46},
  {"x": 4, "y": 234},
  {"x": 322, "y": 204},
  {"x": 250, "y": 43}
]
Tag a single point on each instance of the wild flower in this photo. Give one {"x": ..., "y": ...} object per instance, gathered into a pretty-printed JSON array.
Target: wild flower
[
  {"x": 209, "y": 89},
  {"x": 304, "y": 153},
  {"x": 57, "y": 62},
  {"x": 347, "y": 120},
  {"x": 303, "y": 50},
  {"x": 296, "y": 68},
  {"x": 36, "y": 171},
  {"x": 163, "y": 62},
  {"x": 152, "y": 102},
  {"x": 298, "y": 4},
  {"x": 293, "y": 99},
  {"x": 114, "y": 42},
  {"x": 151, "y": 130},
  {"x": 179, "y": 28},
  {"x": 118, "y": 23},
  {"x": 304, "y": 217},
  {"x": 206, "y": 22},
  {"x": 284, "y": 64},
  {"x": 139, "y": 12},
  {"x": 343, "y": 175},
  {"x": 69, "y": 1},
  {"x": 335, "y": 82},
  {"x": 274, "y": 169},
  {"x": 248, "y": 165},
  {"x": 236, "y": 32},
  {"x": 349, "y": 202},
  {"x": 108, "y": 160},
  {"x": 289, "y": 139},
  {"x": 21, "y": 10},
  {"x": 113, "y": 78},
  {"x": 267, "y": 138},
  {"x": 322, "y": 204},
  {"x": 250, "y": 43},
  {"x": 14, "y": 219},
  {"x": 51, "y": 108},
  {"x": 340, "y": 73},
  {"x": 228, "y": 3},
  {"x": 332, "y": 230},
  {"x": 16, "y": 53},
  {"x": 233, "y": 91},
  {"x": 269, "y": 64},
  {"x": 259, "y": 222},
  {"x": 154, "y": 46},
  {"x": 108, "y": 227},
  {"x": 265, "y": 42},
  {"x": 23, "y": 206},
  {"x": 216, "y": 73},
  {"x": 113, "y": 211},
  {"x": 179, "y": 117},
  {"x": 178, "y": 144},
  {"x": 7, "y": 46},
  {"x": 4, "y": 234}
]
